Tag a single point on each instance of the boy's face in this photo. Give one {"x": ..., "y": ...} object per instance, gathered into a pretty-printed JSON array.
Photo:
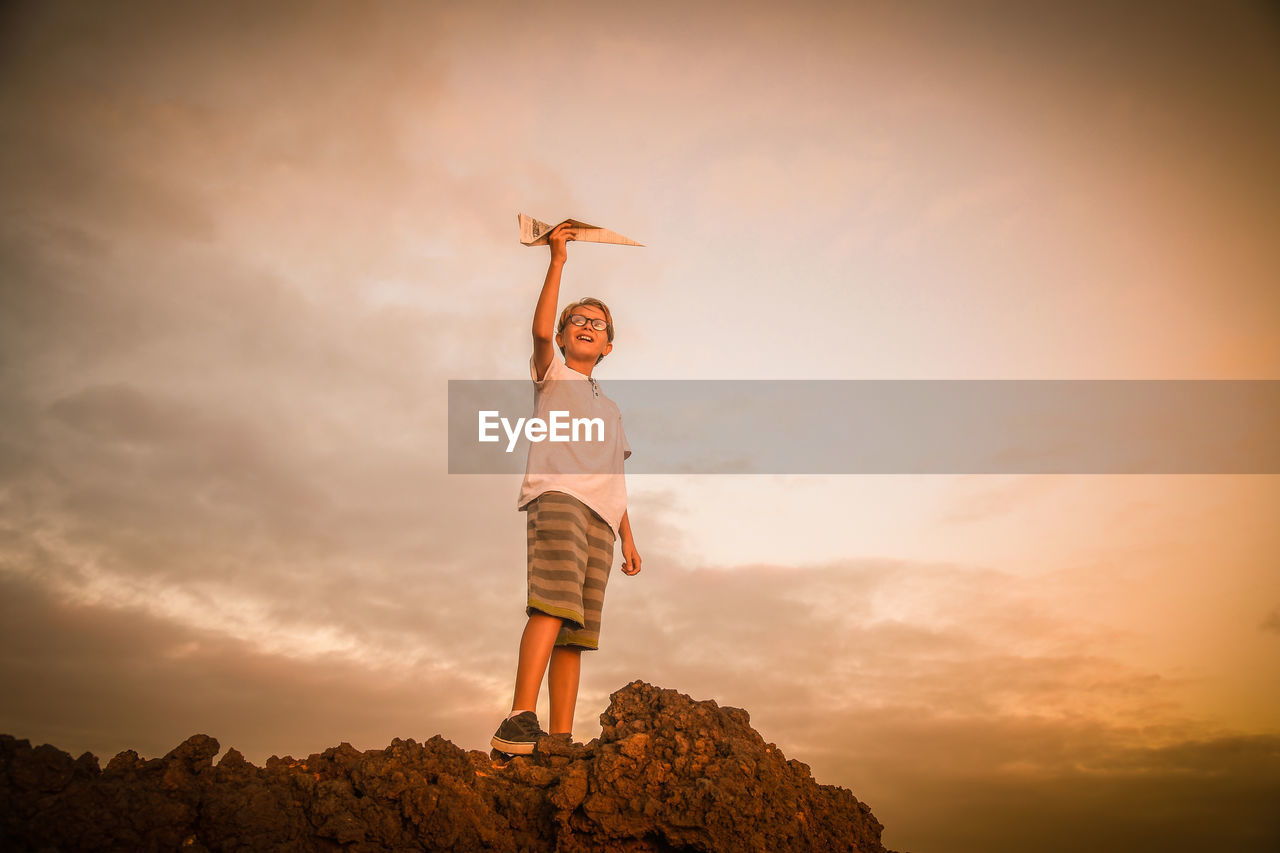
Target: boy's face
[{"x": 583, "y": 343}]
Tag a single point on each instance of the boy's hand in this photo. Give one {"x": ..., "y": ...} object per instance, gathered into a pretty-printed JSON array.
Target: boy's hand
[
  {"x": 630, "y": 558},
  {"x": 557, "y": 239}
]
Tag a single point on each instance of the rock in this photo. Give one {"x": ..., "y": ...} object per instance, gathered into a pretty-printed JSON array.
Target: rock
[{"x": 667, "y": 773}]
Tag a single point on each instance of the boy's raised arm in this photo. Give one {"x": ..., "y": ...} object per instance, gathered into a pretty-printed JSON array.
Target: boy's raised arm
[{"x": 544, "y": 315}]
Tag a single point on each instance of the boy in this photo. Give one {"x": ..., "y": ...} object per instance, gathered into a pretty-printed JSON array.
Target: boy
[{"x": 576, "y": 499}]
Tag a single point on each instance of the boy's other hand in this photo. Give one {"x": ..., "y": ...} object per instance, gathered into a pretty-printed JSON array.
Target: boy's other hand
[
  {"x": 630, "y": 558},
  {"x": 559, "y": 235}
]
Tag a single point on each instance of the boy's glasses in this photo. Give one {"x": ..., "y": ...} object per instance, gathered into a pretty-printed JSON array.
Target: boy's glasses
[{"x": 596, "y": 323}]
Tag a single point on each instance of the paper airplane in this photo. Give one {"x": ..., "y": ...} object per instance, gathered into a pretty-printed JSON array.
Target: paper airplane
[{"x": 534, "y": 233}]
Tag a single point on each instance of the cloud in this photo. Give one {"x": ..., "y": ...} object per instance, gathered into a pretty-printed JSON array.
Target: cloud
[
  {"x": 1272, "y": 622},
  {"x": 981, "y": 500},
  {"x": 245, "y": 246},
  {"x": 957, "y": 702},
  {"x": 229, "y": 336},
  {"x": 1188, "y": 796},
  {"x": 881, "y": 633},
  {"x": 943, "y": 697},
  {"x": 151, "y": 682}
]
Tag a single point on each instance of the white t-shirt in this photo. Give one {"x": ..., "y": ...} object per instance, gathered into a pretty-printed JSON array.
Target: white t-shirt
[{"x": 591, "y": 471}]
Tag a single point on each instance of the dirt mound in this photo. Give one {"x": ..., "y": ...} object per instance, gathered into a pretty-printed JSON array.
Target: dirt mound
[{"x": 667, "y": 773}]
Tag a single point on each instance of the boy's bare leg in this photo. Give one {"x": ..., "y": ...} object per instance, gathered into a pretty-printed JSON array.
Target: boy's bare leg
[
  {"x": 562, "y": 684},
  {"x": 536, "y": 643}
]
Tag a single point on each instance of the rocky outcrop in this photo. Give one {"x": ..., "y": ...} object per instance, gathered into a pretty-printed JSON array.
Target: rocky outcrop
[{"x": 667, "y": 773}]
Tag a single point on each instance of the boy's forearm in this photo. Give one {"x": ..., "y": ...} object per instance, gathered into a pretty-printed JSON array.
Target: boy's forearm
[
  {"x": 624, "y": 528},
  {"x": 544, "y": 315}
]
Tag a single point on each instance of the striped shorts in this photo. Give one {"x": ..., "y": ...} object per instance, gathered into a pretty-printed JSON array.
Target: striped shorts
[{"x": 570, "y": 554}]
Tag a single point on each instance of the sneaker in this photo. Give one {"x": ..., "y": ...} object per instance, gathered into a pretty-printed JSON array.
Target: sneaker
[{"x": 517, "y": 735}]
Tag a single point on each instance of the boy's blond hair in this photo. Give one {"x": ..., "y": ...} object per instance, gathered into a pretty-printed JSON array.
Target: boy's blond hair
[{"x": 572, "y": 306}]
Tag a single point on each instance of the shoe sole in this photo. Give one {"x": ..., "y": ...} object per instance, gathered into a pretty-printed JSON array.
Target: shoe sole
[{"x": 512, "y": 747}]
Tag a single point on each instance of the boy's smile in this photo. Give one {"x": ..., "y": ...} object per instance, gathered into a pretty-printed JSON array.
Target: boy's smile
[{"x": 584, "y": 345}]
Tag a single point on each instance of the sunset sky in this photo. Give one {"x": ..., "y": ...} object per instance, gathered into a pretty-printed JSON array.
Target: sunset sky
[{"x": 244, "y": 247}]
